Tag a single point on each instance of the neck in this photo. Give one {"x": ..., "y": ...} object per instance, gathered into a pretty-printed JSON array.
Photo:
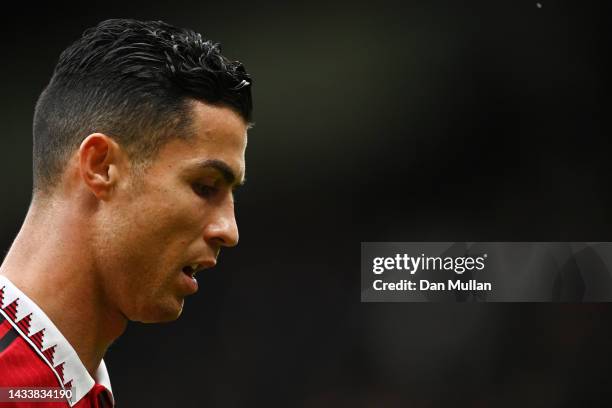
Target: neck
[{"x": 51, "y": 262}]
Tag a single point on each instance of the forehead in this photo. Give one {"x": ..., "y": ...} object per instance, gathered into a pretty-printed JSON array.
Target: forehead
[{"x": 216, "y": 133}]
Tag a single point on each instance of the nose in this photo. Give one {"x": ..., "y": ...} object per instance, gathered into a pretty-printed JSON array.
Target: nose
[{"x": 223, "y": 230}]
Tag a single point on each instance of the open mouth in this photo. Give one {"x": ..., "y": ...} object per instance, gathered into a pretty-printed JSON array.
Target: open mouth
[{"x": 191, "y": 270}]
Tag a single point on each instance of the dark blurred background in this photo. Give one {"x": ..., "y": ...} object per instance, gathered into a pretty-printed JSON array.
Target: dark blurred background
[{"x": 377, "y": 121}]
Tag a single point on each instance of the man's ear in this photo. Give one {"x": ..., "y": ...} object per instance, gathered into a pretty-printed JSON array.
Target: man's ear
[{"x": 99, "y": 161}]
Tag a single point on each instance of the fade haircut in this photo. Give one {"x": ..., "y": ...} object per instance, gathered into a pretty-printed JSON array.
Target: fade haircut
[{"x": 134, "y": 81}]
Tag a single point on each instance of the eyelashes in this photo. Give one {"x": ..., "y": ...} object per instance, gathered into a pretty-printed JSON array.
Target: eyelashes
[
  {"x": 204, "y": 190},
  {"x": 208, "y": 192}
]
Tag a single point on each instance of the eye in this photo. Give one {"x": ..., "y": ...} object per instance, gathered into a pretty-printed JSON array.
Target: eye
[{"x": 204, "y": 190}]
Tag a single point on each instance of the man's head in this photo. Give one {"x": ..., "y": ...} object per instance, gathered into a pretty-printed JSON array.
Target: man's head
[
  {"x": 142, "y": 129},
  {"x": 134, "y": 81}
]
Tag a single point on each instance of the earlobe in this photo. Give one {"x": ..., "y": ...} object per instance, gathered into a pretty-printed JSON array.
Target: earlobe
[{"x": 98, "y": 155}]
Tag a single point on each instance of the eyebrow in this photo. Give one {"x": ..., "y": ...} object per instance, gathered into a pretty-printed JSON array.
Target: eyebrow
[{"x": 222, "y": 167}]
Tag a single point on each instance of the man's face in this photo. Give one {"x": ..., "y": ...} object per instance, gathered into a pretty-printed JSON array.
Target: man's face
[{"x": 180, "y": 212}]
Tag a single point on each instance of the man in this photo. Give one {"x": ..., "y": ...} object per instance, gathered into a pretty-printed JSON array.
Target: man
[{"x": 139, "y": 141}]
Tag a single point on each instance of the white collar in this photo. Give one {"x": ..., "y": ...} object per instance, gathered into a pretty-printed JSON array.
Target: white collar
[{"x": 46, "y": 339}]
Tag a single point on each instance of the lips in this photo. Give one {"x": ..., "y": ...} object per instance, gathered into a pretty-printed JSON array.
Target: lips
[{"x": 191, "y": 269}]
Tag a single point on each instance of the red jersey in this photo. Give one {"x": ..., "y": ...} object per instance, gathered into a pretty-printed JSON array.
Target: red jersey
[{"x": 34, "y": 353}]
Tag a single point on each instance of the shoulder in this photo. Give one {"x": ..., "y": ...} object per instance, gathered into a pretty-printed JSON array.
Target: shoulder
[{"x": 34, "y": 353}]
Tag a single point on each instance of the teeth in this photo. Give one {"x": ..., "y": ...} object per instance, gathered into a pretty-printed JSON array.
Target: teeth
[{"x": 191, "y": 269}]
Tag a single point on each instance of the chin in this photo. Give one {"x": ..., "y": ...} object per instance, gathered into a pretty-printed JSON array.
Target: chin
[{"x": 161, "y": 312}]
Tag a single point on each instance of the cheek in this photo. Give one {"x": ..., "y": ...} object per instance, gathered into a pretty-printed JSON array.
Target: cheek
[
  {"x": 154, "y": 228},
  {"x": 164, "y": 228}
]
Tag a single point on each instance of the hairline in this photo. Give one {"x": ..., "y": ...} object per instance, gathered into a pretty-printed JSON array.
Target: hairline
[{"x": 182, "y": 130}]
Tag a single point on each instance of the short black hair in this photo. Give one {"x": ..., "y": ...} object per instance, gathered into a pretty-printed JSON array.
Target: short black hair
[{"x": 135, "y": 81}]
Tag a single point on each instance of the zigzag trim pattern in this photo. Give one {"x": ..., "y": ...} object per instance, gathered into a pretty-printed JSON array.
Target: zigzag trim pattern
[{"x": 36, "y": 328}]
